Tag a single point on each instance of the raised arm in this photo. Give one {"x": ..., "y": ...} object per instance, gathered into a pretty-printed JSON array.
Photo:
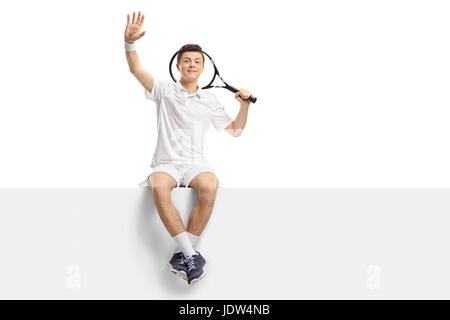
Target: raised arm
[{"x": 132, "y": 34}]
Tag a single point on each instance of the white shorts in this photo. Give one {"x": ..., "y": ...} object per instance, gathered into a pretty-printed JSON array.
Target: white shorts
[{"x": 183, "y": 174}]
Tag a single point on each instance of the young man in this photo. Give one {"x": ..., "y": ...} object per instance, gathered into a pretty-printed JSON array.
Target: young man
[{"x": 184, "y": 113}]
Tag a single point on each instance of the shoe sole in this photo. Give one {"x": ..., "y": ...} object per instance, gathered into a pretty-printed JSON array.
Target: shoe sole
[
  {"x": 194, "y": 281},
  {"x": 179, "y": 273}
]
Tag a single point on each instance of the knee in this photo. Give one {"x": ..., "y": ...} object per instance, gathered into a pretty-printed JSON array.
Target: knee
[
  {"x": 208, "y": 188},
  {"x": 161, "y": 183},
  {"x": 160, "y": 189}
]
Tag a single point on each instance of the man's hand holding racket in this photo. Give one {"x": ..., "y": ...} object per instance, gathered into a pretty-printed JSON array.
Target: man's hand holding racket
[
  {"x": 242, "y": 96},
  {"x": 133, "y": 29}
]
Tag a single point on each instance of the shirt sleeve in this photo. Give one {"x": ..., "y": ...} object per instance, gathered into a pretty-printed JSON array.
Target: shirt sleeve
[
  {"x": 158, "y": 90},
  {"x": 220, "y": 117}
]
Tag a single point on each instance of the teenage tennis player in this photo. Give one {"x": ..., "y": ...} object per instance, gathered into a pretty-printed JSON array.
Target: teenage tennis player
[{"x": 184, "y": 114}]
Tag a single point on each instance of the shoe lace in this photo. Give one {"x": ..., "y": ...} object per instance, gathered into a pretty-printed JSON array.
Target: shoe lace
[{"x": 190, "y": 262}]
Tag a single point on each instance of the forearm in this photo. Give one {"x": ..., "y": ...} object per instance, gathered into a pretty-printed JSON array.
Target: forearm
[
  {"x": 136, "y": 69},
  {"x": 133, "y": 61},
  {"x": 241, "y": 119}
]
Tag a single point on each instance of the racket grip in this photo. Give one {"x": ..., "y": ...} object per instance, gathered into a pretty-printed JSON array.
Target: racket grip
[
  {"x": 252, "y": 99},
  {"x": 233, "y": 89}
]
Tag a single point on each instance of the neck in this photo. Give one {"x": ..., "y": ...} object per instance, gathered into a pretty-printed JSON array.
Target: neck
[{"x": 191, "y": 86}]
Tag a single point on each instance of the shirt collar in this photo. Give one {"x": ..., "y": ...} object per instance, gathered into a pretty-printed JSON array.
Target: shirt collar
[{"x": 180, "y": 88}]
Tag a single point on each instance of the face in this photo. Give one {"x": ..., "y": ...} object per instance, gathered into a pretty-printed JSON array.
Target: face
[{"x": 191, "y": 65}]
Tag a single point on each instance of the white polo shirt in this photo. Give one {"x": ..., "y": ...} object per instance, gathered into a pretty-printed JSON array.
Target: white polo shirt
[{"x": 183, "y": 120}]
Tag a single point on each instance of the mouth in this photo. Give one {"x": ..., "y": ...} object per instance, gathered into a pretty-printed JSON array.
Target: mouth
[{"x": 192, "y": 71}]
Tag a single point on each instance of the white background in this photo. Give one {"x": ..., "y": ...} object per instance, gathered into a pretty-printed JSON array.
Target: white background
[{"x": 350, "y": 93}]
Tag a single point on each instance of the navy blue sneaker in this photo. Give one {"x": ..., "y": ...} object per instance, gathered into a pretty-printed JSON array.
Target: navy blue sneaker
[
  {"x": 178, "y": 266},
  {"x": 195, "y": 264}
]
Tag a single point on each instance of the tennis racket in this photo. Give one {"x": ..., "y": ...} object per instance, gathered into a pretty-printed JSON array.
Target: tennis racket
[{"x": 209, "y": 76}]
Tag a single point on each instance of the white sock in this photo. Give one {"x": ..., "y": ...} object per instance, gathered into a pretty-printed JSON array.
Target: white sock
[
  {"x": 192, "y": 237},
  {"x": 182, "y": 239}
]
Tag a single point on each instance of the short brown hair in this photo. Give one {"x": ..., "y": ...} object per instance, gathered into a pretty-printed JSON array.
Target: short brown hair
[{"x": 191, "y": 48}]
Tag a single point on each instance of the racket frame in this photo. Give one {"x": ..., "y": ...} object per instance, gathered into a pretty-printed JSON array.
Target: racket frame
[{"x": 216, "y": 73}]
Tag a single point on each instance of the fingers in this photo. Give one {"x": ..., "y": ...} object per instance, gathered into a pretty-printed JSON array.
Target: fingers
[
  {"x": 139, "y": 19},
  {"x": 239, "y": 97},
  {"x": 244, "y": 93},
  {"x": 141, "y": 35}
]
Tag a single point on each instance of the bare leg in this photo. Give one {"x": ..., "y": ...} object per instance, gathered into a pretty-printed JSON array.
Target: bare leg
[
  {"x": 206, "y": 184},
  {"x": 161, "y": 184}
]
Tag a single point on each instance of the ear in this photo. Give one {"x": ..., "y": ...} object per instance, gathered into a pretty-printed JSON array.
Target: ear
[{"x": 178, "y": 67}]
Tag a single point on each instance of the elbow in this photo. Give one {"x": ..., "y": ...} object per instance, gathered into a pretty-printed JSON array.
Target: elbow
[
  {"x": 237, "y": 132},
  {"x": 232, "y": 133}
]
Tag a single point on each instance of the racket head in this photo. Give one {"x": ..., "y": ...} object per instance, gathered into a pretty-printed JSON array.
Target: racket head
[{"x": 209, "y": 78}]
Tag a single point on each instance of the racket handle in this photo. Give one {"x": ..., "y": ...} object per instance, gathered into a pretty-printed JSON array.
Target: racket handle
[
  {"x": 233, "y": 89},
  {"x": 252, "y": 99}
]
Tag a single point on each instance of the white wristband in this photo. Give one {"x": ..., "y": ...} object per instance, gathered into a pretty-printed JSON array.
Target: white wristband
[{"x": 130, "y": 46}]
